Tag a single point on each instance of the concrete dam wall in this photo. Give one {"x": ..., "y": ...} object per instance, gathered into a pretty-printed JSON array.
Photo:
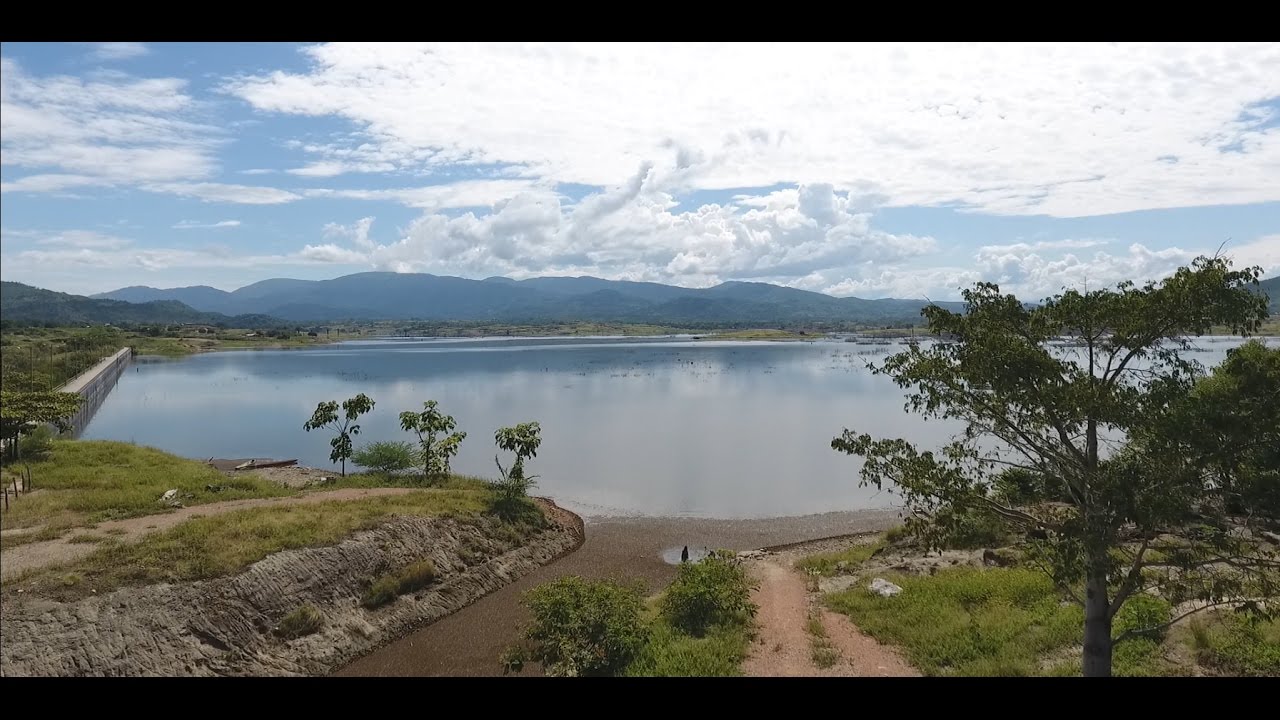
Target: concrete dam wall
[{"x": 93, "y": 385}]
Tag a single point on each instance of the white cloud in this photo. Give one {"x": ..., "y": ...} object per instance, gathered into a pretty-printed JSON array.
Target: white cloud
[
  {"x": 84, "y": 239},
  {"x": 1263, "y": 252},
  {"x": 1063, "y": 130},
  {"x": 257, "y": 171},
  {"x": 114, "y": 130},
  {"x": 223, "y": 192},
  {"x": 197, "y": 225},
  {"x": 357, "y": 232},
  {"x": 119, "y": 50},
  {"x": 461, "y": 194},
  {"x": 630, "y": 232},
  {"x": 51, "y": 182}
]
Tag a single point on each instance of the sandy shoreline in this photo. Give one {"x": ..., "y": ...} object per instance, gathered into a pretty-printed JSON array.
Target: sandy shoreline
[{"x": 470, "y": 641}]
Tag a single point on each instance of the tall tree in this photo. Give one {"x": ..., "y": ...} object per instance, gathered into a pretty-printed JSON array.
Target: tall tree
[
  {"x": 326, "y": 416},
  {"x": 433, "y": 452},
  {"x": 1064, "y": 414}
]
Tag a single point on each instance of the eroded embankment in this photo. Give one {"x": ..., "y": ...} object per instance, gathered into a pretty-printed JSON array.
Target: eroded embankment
[{"x": 224, "y": 626}]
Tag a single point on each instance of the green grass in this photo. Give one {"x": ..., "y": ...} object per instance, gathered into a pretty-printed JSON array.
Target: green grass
[
  {"x": 303, "y": 621},
  {"x": 1235, "y": 644},
  {"x": 224, "y": 544},
  {"x": 825, "y": 564},
  {"x": 822, "y": 652},
  {"x": 41, "y": 535},
  {"x": 402, "y": 582},
  {"x": 89, "y": 481},
  {"x": 671, "y": 653},
  {"x": 997, "y": 622},
  {"x": 968, "y": 621}
]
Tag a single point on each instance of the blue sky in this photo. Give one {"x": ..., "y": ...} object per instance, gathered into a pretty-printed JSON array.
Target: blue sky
[{"x": 869, "y": 170}]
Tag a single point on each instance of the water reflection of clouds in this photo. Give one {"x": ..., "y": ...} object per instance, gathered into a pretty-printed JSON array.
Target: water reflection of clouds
[{"x": 718, "y": 429}]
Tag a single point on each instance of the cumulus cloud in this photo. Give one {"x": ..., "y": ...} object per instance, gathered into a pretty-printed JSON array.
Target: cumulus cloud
[
  {"x": 197, "y": 225},
  {"x": 631, "y": 232},
  {"x": 1062, "y": 130}
]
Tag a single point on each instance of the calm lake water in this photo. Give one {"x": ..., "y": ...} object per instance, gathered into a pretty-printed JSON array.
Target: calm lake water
[{"x": 649, "y": 427}]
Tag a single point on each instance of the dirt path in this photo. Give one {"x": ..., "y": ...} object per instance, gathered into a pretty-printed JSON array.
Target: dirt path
[
  {"x": 50, "y": 552},
  {"x": 783, "y": 646}
]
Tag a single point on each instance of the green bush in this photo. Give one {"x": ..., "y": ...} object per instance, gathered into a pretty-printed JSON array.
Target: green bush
[
  {"x": 1142, "y": 611},
  {"x": 386, "y": 457},
  {"x": 582, "y": 627},
  {"x": 714, "y": 591},
  {"x": 303, "y": 621},
  {"x": 37, "y": 444},
  {"x": 973, "y": 529},
  {"x": 391, "y": 586}
]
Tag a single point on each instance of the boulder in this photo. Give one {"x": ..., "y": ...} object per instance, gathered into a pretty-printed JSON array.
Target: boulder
[{"x": 884, "y": 588}]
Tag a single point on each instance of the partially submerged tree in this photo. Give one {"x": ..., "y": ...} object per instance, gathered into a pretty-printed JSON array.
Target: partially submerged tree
[
  {"x": 326, "y": 416},
  {"x": 20, "y": 412},
  {"x": 1092, "y": 417},
  {"x": 434, "y": 452}
]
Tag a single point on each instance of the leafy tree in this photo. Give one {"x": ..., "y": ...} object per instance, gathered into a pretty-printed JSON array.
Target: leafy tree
[
  {"x": 1063, "y": 413},
  {"x": 385, "y": 457},
  {"x": 513, "y": 488},
  {"x": 20, "y": 412},
  {"x": 433, "y": 453},
  {"x": 1231, "y": 424},
  {"x": 581, "y": 627},
  {"x": 326, "y": 416}
]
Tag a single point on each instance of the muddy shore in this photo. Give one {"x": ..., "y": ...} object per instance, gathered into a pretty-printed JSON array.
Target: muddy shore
[{"x": 470, "y": 641}]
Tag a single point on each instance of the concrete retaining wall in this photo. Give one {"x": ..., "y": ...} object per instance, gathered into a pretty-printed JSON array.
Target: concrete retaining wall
[{"x": 94, "y": 385}]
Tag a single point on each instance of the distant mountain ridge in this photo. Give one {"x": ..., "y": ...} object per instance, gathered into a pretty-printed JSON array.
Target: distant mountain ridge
[
  {"x": 24, "y": 303},
  {"x": 414, "y": 296}
]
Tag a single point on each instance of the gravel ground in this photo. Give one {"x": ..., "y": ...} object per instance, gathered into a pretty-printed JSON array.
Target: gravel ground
[{"x": 470, "y": 641}]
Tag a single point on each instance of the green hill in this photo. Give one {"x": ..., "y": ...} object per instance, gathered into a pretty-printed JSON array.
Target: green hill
[{"x": 23, "y": 304}]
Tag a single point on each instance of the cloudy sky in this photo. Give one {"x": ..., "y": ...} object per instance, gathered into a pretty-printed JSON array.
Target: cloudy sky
[{"x": 868, "y": 170}]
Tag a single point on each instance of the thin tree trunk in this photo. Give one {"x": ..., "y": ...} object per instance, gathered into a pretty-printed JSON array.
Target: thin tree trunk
[{"x": 1097, "y": 627}]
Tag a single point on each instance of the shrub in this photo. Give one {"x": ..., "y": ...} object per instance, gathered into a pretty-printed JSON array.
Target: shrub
[
  {"x": 1140, "y": 612},
  {"x": 303, "y": 621},
  {"x": 1246, "y": 645},
  {"x": 714, "y": 591},
  {"x": 37, "y": 444},
  {"x": 581, "y": 627},
  {"x": 971, "y": 529},
  {"x": 393, "y": 585},
  {"x": 385, "y": 457}
]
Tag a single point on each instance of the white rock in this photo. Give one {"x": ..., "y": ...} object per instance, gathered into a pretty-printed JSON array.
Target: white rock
[
  {"x": 884, "y": 588},
  {"x": 169, "y": 495}
]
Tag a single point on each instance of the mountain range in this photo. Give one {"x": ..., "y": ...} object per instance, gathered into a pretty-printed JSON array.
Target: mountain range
[
  {"x": 25, "y": 304},
  {"x": 403, "y": 296},
  {"x": 409, "y": 296}
]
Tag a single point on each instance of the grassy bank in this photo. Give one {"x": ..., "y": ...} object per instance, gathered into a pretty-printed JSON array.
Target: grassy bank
[
  {"x": 88, "y": 481},
  {"x": 224, "y": 544},
  {"x": 1013, "y": 622}
]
